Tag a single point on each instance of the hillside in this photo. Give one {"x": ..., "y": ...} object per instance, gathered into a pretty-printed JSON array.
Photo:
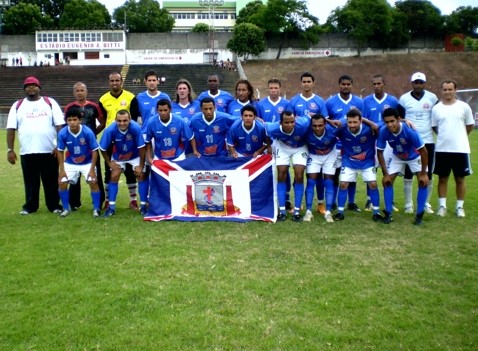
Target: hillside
[{"x": 397, "y": 70}]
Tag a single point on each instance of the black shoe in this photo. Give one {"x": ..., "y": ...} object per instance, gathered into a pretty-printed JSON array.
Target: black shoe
[
  {"x": 296, "y": 218},
  {"x": 288, "y": 205},
  {"x": 388, "y": 217},
  {"x": 353, "y": 207},
  {"x": 418, "y": 219},
  {"x": 334, "y": 207},
  {"x": 281, "y": 217},
  {"x": 377, "y": 217},
  {"x": 339, "y": 216}
]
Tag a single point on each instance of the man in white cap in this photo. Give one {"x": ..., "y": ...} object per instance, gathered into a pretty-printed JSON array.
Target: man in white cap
[
  {"x": 416, "y": 106},
  {"x": 37, "y": 120}
]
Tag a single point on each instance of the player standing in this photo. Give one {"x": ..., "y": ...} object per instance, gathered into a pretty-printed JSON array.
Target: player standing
[
  {"x": 270, "y": 108},
  {"x": 244, "y": 97},
  {"x": 222, "y": 98}
]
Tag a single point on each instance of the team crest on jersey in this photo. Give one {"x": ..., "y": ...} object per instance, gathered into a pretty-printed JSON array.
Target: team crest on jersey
[
  {"x": 124, "y": 103},
  {"x": 363, "y": 139},
  {"x": 191, "y": 110},
  {"x": 173, "y": 130},
  {"x": 211, "y": 195},
  {"x": 313, "y": 106},
  {"x": 216, "y": 129},
  {"x": 220, "y": 102},
  {"x": 255, "y": 138},
  {"x": 403, "y": 141},
  {"x": 385, "y": 107},
  {"x": 129, "y": 137},
  {"x": 82, "y": 141},
  {"x": 297, "y": 138},
  {"x": 426, "y": 106},
  {"x": 280, "y": 109}
]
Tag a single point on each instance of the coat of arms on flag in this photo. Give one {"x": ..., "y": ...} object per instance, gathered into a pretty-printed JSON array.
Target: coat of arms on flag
[{"x": 217, "y": 189}]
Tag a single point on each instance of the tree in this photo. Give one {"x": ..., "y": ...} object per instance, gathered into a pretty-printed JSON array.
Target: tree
[
  {"x": 51, "y": 8},
  {"x": 363, "y": 20},
  {"x": 85, "y": 14},
  {"x": 423, "y": 18},
  {"x": 247, "y": 39},
  {"x": 200, "y": 28},
  {"x": 462, "y": 20},
  {"x": 456, "y": 42},
  {"x": 144, "y": 16},
  {"x": 25, "y": 19},
  {"x": 248, "y": 11}
]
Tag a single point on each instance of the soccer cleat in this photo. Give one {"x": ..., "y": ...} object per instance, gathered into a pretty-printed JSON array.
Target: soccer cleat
[
  {"x": 109, "y": 212},
  {"x": 57, "y": 211},
  {"x": 419, "y": 219},
  {"x": 395, "y": 208},
  {"x": 460, "y": 212},
  {"x": 353, "y": 207},
  {"x": 388, "y": 217},
  {"x": 328, "y": 217},
  {"x": 96, "y": 213},
  {"x": 339, "y": 216},
  {"x": 24, "y": 212},
  {"x": 75, "y": 208},
  {"x": 297, "y": 218},
  {"x": 133, "y": 204},
  {"x": 308, "y": 216},
  {"x": 377, "y": 217},
  {"x": 409, "y": 209},
  {"x": 64, "y": 213},
  {"x": 368, "y": 206},
  {"x": 441, "y": 211},
  {"x": 143, "y": 210},
  {"x": 281, "y": 217},
  {"x": 321, "y": 208},
  {"x": 429, "y": 209}
]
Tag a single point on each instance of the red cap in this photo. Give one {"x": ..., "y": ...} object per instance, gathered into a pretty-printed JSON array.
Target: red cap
[{"x": 31, "y": 80}]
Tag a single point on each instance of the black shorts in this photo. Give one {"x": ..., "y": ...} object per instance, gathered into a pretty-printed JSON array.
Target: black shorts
[
  {"x": 431, "y": 163},
  {"x": 459, "y": 163}
]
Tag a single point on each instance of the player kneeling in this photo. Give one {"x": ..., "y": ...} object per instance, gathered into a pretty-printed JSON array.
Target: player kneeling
[{"x": 82, "y": 153}]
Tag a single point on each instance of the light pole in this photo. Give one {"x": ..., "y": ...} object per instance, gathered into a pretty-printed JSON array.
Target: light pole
[
  {"x": 3, "y": 4},
  {"x": 211, "y": 5}
]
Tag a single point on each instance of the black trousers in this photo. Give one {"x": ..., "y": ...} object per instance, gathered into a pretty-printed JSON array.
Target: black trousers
[
  {"x": 75, "y": 189},
  {"x": 44, "y": 168}
]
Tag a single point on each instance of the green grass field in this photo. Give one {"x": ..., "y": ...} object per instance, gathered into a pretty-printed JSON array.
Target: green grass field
[{"x": 123, "y": 284}]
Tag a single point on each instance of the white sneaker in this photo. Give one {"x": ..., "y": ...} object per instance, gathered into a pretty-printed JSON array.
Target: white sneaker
[
  {"x": 460, "y": 212},
  {"x": 428, "y": 208},
  {"x": 328, "y": 217},
  {"x": 409, "y": 209},
  {"x": 64, "y": 213},
  {"x": 442, "y": 211},
  {"x": 308, "y": 216}
]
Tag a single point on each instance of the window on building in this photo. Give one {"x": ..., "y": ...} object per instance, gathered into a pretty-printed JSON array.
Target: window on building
[
  {"x": 113, "y": 37},
  {"x": 93, "y": 55}
]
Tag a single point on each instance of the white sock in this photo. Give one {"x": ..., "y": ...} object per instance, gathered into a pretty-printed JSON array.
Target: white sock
[
  {"x": 430, "y": 190},
  {"x": 442, "y": 201},
  {"x": 459, "y": 203},
  {"x": 407, "y": 190}
]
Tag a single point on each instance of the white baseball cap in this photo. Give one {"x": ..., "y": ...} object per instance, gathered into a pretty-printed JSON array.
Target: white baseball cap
[{"x": 419, "y": 76}]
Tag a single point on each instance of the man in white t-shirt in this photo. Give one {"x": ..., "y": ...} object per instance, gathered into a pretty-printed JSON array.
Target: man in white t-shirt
[
  {"x": 37, "y": 120},
  {"x": 416, "y": 106},
  {"x": 452, "y": 120}
]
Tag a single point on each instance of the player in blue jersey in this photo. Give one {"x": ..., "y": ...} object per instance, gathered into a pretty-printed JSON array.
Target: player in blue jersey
[
  {"x": 289, "y": 137},
  {"x": 244, "y": 97},
  {"x": 270, "y": 108},
  {"x": 246, "y": 137},
  {"x": 222, "y": 98},
  {"x": 126, "y": 138},
  {"x": 80, "y": 158},
  {"x": 358, "y": 139},
  {"x": 307, "y": 103},
  {"x": 210, "y": 129},
  {"x": 184, "y": 105},
  {"x": 374, "y": 105},
  {"x": 337, "y": 107},
  {"x": 321, "y": 140},
  {"x": 408, "y": 149},
  {"x": 148, "y": 99}
]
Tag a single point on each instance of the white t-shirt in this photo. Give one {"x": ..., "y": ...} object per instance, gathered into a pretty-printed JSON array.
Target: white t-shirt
[
  {"x": 35, "y": 122},
  {"x": 451, "y": 121},
  {"x": 419, "y": 112}
]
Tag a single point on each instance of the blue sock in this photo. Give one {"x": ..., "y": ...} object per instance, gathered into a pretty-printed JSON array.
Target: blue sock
[
  {"x": 113, "y": 191},
  {"x": 143, "y": 188},
  {"x": 298, "y": 195},
  {"x": 341, "y": 199},
  {"x": 352, "y": 189},
  {"x": 329, "y": 194},
  {"x": 65, "y": 199},
  {"x": 281, "y": 191},
  {"x": 320, "y": 188},
  {"x": 388, "y": 198},
  {"x": 309, "y": 193},
  {"x": 95, "y": 197},
  {"x": 421, "y": 199},
  {"x": 375, "y": 198}
]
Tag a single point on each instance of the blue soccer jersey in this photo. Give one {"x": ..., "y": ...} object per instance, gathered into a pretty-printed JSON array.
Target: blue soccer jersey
[
  {"x": 302, "y": 106},
  {"x": 125, "y": 144},
  {"x": 234, "y": 108},
  {"x": 246, "y": 142},
  {"x": 405, "y": 143},
  {"x": 337, "y": 107},
  {"x": 358, "y": 150},
  {"x": 170, "y": 138},
  {"x": 79, "y": 147},
  {"x": 294, "y": 139},
  {"x": 222, "y": 99},
  {"x": 324, "y": 144},
  {"x": 270, "y": 111},
  {"x": 211, "y": 136},
  {"x": 186, "y": 112},
  {"x": 147, "y": 106},
  {"x": 373, "y": 107}
]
